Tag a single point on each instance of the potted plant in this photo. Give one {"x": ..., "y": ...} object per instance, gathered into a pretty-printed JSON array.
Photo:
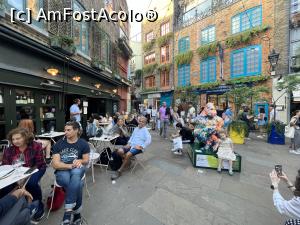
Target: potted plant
[
  {"x": 275, "y": 131},
  {"x": 237, "y": 131},
  {"x": 64, "y": 44},
  {"x": 96, "y": 63}
]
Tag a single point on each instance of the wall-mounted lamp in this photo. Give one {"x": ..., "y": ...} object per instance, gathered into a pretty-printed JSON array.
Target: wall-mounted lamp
[
  {"x": 97, "y": 85},
  {"x": 53, "y": 71},
  {"x": 76, "y": 78},
  {"x": 115, "y": 91}
]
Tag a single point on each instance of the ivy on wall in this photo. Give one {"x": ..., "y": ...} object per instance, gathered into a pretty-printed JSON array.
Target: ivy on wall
[
  {"x": 150, "y": 89},
  {"x": 164, "y": 67},
  {"x": 148, "y": 45},
  {"x": 184, "y": 58},
  {"x": 149, "y": 68},
  {"x": 164, "y": 40},
  {"x": 205, "y": 50},
  {"x": 243, "y": 80},
  {"x": 245, "y": 37}
]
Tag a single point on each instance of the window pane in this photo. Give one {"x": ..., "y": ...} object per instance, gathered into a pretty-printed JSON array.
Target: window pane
[
  {"x": 295, "y": 48},
  {"x": 18, "y": 4},
  {"x": 237, "y": 63},
  {"x": 252, "y": 55},
  {"x": 84, "y": 34},
  {"x": 211, "y": 34},
  {"x": 256, "y": 17},
  {"x": 212, "y": 70},
  {"x": 205, "y": 36},
  {"x": 34, "y": 6},
  {"x": 245, "y": 19},
  {"x": 295, "y": 34},
  {"x": 235, "y": 24},
  {"x": 76, "y": 30},
  {"x": 204, "y": 71}
]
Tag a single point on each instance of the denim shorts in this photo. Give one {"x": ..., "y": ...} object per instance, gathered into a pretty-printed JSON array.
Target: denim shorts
[{"x": 133, "y": 151}]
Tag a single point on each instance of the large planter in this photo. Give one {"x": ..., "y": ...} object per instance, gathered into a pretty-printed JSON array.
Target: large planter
[
  {"x": 276, "y": 138},
  {"x": 57, "y": 43},
  {"x": 237, "y": 138}
]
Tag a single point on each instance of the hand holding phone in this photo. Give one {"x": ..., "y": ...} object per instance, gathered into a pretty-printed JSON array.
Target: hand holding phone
[{"x": 278, "y": 169}]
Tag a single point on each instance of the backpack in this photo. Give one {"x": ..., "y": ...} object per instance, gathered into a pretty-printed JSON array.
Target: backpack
[
  {"x": 91, "y": 130},
  {"x": 116, "y": 163},
  {"x": 58, "y": 199}
]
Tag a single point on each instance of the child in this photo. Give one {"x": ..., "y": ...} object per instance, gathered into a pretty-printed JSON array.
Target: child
[{"x": 225, "y": 151}]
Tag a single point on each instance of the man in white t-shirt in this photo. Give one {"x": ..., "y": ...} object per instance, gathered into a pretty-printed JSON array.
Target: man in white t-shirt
[{"x": 75, "y": 111}]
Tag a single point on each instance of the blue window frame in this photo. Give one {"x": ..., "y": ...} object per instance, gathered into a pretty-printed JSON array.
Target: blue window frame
[
  {"x": 246, "y": 20},
  {"x": 34, "y": 5},
  {"x": 246, "y": 61},
  {"x": 183, "y": 44},
  {"x": 208, "y": 35},
  {"x": 184, "y": 75},
  {"x": 81, "y": 32},
  {"x": 208, "y": 70}
]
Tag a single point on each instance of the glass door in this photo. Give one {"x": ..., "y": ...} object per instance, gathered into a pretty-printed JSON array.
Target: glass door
[{"x": 48, "y": 113}]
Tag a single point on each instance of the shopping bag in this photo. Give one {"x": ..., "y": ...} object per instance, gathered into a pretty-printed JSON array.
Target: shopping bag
[
  {"x": 289, "y": 131},
  {"x": 177, "y": 143}
]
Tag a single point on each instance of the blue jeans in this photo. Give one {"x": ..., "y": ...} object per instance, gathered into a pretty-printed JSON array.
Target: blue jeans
[
  {"x": 71, "y": 181},
  {"x": 33, "y": 186}
]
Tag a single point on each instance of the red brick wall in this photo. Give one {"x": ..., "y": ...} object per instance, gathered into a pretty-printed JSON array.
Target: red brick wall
[{"x": 222, "y": 22}]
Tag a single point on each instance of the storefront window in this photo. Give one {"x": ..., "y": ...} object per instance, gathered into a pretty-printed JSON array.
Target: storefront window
[
  {"x": 48, "y": 113},
  {"x": 2, "y": 116}
]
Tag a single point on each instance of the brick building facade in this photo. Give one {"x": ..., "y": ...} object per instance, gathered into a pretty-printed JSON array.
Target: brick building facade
[
  {"x": 59, "y": 61},
  {"x": 228, "y": 40},
  {"x": 157, "y": 40}
]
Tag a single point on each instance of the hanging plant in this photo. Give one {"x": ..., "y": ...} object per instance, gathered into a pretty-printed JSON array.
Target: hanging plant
[
  {"x": 207, "y": 86},
  {"x": 184, "y": 58},
  {"x": 204, "y": 50},
  {"x": 245, "y": 37},
  {"x": 164, "y": 40},
  {"x": 150, "y": 89},
  {"x": 242, "y": 80},
  {"x": 148, "y": 45},
  {"x": 164, "y": 67},
  {"x": 149, "y": 69}
]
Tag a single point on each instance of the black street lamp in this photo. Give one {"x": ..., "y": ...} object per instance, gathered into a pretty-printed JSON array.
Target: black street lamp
[{"x": 273, "y": 59}]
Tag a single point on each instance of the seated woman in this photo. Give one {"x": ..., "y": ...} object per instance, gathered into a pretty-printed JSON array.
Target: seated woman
[
  {"x": 290, "y": 208},
  {"x": 134, "y": 121},
  {"x": 184, "y": 134},
  {"x": 121, "y": 130},
  {"x": 46, "y": 144},
  {"x": 23, "y": 143}
]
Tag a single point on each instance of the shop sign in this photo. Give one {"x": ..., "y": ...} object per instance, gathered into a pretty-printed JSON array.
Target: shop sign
[{"x": 157, "y": 95}]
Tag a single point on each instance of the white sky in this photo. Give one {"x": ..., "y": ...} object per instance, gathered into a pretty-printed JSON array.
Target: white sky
[{"x": 137, "y": 6}]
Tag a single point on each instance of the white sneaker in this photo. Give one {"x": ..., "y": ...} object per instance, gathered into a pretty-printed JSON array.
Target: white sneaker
[
  {"x": 178, "y": 153},
  {"x": 297, "y": 152},
  {"x": 173, "y": 149},
  {"x": 259, "y": 136}
]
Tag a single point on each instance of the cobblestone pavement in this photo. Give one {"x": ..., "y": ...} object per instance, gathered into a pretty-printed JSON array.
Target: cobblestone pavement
[{"x": 170, "y": 191}]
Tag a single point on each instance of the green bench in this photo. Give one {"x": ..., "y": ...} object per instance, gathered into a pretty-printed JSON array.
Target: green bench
[{"x": 207, "y": 159}]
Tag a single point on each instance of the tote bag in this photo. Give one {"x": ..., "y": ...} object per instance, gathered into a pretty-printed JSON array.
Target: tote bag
[{"x": 289, "y": 131}]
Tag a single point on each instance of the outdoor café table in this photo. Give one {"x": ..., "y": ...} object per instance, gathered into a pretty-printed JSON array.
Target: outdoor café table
[
  {"x": 51, "y": 135},
  {"x": 10, "y": 175},
  {"x": 102, "y": 144}
]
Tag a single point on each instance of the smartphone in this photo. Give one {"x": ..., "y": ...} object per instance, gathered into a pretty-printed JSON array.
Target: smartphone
[
  {"x": 30, "y": 170},
  {"x": 278, "y": 169}
]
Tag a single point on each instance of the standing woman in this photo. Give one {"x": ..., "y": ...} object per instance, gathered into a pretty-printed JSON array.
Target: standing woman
[
  {"x": 295, "y": 142},
  {"x": 175, "y": 117},
  {"x": 23, "y": 143},
  {"x": 261, "y": 121}
]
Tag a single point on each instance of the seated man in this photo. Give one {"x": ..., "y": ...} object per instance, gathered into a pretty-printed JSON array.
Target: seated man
[
  {"x": 137, "y": 143},
  {"x": 70, "y": 155},
  {"x": 15, "y": 208},
  {"x": 121, "y": 130},
  {"x": 184, "y": 134}
]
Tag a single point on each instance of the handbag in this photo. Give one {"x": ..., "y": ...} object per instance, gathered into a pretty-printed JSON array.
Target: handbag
[{"x": 289, "y": 131}]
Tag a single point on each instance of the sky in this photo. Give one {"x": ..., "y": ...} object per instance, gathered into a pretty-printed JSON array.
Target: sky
[{"x": 137, "y": 6}]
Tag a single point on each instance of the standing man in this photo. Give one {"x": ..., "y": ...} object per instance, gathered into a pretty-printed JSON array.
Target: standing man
[
  {"x": 191, "y": 113},
  {"x": 137, "y": 143},
  {"x": 70, "y": 156},
  {"x": 164, "y": 120},
  {"x": 75, "y": 111}
]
